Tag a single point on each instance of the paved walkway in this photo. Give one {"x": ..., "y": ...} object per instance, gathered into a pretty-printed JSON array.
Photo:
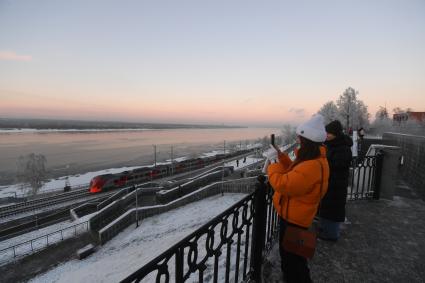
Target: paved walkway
[{"x": 385, "y": 242}]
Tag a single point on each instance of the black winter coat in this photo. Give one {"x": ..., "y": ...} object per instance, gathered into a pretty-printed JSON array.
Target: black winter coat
[{"x": 339, "y": 159}]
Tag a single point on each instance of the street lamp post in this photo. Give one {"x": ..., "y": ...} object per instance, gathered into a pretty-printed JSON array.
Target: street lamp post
[
  {"x": 172, "y": 168},
  {"x": 222, "y": 174},
  {"x": 154, "y": 154},
  {"x": 137, "y": 208}
]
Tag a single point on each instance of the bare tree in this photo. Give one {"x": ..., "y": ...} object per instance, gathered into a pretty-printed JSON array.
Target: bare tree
[
  {"x": 398, "y": 110},
  {"x": 330, "y": 112},
  {"x": 31, "y": 170}
]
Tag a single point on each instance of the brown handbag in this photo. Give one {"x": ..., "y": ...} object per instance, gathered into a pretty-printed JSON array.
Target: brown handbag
[{"x": 301, "y": 241}]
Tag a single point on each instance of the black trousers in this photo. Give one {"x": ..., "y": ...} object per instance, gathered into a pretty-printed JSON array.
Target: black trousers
[{"x": 294, "y": 267}]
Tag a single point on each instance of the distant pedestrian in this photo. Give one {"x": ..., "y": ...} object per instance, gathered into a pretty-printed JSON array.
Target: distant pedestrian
[
  {"x": 244, "y": 159},
  {"x": 361, "y": 133},
  {"x": 237, "y": 162},
  {"x": 332, "y": 209}
]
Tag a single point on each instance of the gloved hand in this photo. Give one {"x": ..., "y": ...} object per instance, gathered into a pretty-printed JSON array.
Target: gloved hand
[{"x": 271, "y": 153}]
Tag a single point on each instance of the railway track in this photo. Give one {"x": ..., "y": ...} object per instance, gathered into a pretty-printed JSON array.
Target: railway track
[
  {"x": 42, "y": 202},
  {"x": 25, "y": 225}
]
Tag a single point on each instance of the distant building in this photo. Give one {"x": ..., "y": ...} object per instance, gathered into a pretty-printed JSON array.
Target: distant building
[{"x": 402, "y": 118}]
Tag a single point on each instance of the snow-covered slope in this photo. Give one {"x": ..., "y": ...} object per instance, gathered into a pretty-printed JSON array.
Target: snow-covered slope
[{"x": 134, "y": 247}]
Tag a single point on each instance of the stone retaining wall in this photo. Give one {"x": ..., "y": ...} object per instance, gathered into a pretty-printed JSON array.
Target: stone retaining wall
[{"x": 413, "y": 152}]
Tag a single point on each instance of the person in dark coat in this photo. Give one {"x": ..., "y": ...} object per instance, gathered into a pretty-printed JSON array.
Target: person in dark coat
[{"x": 332, "y": 209}]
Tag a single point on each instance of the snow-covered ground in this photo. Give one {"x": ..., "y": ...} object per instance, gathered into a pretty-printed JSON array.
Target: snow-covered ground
[
  {"x": 134, "y": 247},
  {"x": 249, "y": 161}
]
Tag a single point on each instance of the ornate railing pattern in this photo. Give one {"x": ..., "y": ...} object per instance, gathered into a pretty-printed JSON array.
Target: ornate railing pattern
[
  {"x": 219, "y": 251},
  {"x": 272, "y": 219},
  {"x": 365, "y": 176}
]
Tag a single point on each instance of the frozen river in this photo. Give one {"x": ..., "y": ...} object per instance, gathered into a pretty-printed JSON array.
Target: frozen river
[{"x": 79, "y": 152}]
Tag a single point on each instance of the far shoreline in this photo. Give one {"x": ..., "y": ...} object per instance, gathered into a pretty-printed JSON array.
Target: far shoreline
[
  {"x": 33, "y": 130},
  {"x": 15, "y": 125}
]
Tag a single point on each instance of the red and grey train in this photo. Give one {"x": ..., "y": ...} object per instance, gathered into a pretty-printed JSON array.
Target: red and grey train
[{"x": 107, "y": 182}]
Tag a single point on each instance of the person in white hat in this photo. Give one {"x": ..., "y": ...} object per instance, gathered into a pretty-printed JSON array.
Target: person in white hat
[{"x": 299, "y": 186}]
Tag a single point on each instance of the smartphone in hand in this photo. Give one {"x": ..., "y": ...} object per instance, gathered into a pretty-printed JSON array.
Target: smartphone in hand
[{"x": 272, "y": 142}]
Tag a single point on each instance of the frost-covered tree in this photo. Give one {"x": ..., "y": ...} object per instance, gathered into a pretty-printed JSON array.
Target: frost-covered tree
[
  {"x": 348, "y": 109},
  {"x": 361, "y": 117},
  {"x": 382, "y": 113},
  {"x": 382, "y": 122},
  {"x": 288, "y": 134},
  {"x": 398, "y": 110},
  {"x": 31, "y": 170},
  {"x": 353, "y": 112},
  {"x": 410, "y": 126},
  {"x": 329, "y": 111},
  {"x": 381, "y": 126}
]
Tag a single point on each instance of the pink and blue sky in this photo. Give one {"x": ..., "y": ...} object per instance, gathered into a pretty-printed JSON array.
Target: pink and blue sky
[{"x": 218, "y": 61}]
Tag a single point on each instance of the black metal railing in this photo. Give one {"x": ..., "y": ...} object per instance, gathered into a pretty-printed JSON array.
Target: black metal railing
[
  {"x": 272, "y": 219},
  {"x": 229, "y": 248},
  {"x": 208, "y": 253},
  {"x": 365, "y": 176}
]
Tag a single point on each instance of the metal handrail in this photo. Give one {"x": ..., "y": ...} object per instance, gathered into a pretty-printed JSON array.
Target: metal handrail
[{"x": 31, "y": 244}]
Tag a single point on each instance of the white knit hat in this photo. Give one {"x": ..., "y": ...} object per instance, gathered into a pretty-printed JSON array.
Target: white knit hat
[{"x": 313, "y": 129}]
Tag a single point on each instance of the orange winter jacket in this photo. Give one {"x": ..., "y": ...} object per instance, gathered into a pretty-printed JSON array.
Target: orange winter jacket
[{"x": 300, "y": 185}]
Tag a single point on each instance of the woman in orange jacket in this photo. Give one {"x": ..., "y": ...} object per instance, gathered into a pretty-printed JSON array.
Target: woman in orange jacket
[{"x": 298, "y": 188}]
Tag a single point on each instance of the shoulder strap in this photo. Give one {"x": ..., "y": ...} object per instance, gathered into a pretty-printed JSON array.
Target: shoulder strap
[{"x": 321, "y": 185}]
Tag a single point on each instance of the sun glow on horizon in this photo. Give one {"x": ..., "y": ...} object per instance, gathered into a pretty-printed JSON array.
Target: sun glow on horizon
[{"x": 195, "y": 62}]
